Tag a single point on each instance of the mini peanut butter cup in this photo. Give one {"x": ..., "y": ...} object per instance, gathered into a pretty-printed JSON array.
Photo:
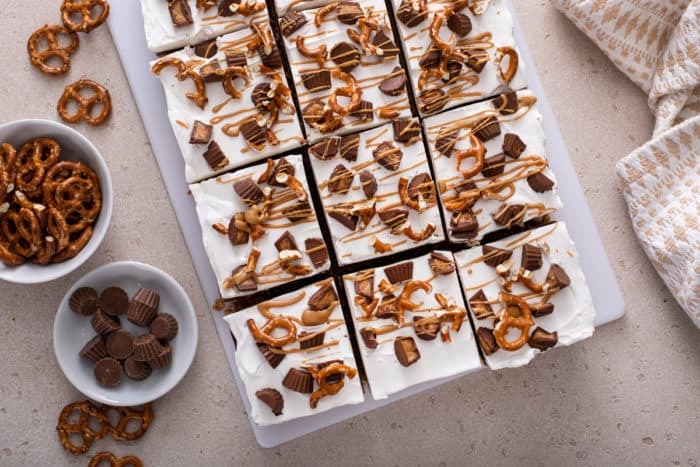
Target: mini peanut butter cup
[
  {"x": 146, "y": 348},
  {"x": 323, "y": 298},
  {"x": 272, "y": 398},
  {"x": 342, "y": 214},
  {"x": 163, "y": 359},
  {"x": 274, "y": 359},
  {"x": 164, "y": 327},
  {"x": 543, "y": 340},
  {"x": 406, "y": 350},
  {"x": 369, "y": 184},
  {"x": 249, "y": 192},
  {"x": 137, "y": 371},
  {"x": 108, "y": 372},
  {"x": 317, "y": 251},
  {"x": 494, "y": 256},
  {"x": 94, "y": 350},
  {"x": 286, "y": 242},
  {"x": 114, "y": 301},
  {"x": 326, "y": 148},
  {"x": 143, "y": 307},
  {"x": 459, "y": 23},
  {"x": 314, "y": 341},
  {"x": 425, "y": 329},
  {"x": 234, "y": 58},
  {"x": 299, "y": 380},
  {"x": 120, "y": 344},
  {"x": 480, "y": 305},
  {"x": 464, "y": 225},
  {"x": 532, "y": 257},
  {"x": 84, "y": 301},
  {"x": 441, "y": 264},
  {"x": 399, "y": 273},
  {"x": 104, "y": 324}
]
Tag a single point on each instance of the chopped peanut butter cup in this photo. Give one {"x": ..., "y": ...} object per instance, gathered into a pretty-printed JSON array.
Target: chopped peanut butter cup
[
  {"x": 459, "y": 23},
  {"x": 349, "y": 147},
  {"x": 480, "y": 305},
  {"x": 494, "y": 256},
  {"x": 406, "y": 350},
  {"x": 323, "y": 298},
  {"x": 425, "y": 328},
  {"x": 487, "y": 128},
  {"x": 487, "y": 341},
  {"x": 542, "y": 340},
  {"x": 201, "y": 133},
  {"x": 494, "y": 165},
  {"x": 342, "y": 214},
  {"x": 387, "y": 308},
  {"x": 272, "y": 398},
  {"x": 513, "y": 146},
  {"x": 345, "y": 55},
  {"x": 388, "y": 156},
  {"x": 369, "y": 338},
  {"x": 274, "y": 359},
  {"x": 506, "y": 103},
  {"x": 215, "y": 157},
  {"x": 291, "y": 22},
  {"x": 249, "y": 192},
  {"x": 540, "y": 183},
  {"x": 341, "y": 179},
  {"x": 394, "y": 84},
  {"x": 369, "y": 184},
  {"x": 286, "y": 242},
  {"x": 314, "y": 341},
  {"x": 317, "y": 80},
  {"x": 349, "y": 12},
  {"x": 317, "y": 251},
  {"x": 398, "y": 273},
  {"x": 441, "y": 264},
  {"x": 180, "y": 13},
  {"x": 364, "y": 285}
]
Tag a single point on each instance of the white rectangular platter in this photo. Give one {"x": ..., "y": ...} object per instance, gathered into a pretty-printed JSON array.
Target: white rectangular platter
[{"x": 125, "y": 24}]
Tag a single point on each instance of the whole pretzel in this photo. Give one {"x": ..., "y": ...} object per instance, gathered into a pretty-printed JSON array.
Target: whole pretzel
[
  {"x": 435, "y": 26},
  {"x": 33, "y": 159},
  {"x": 114, "y": 461},
  {"x": 329, "y": 388},
  {"x": 476, "y": 152},
  {"x": 183, "y": 72},
  {"x": 523, "y": 323},
  {"x": 8, "y": 156},
  {"x": 507, "y": 51},
  {"x": 74, "y": 247},
  {"x": 85, "y": 104},
  {"x": 229, "y": 74},
  {"x": 318, "y": 54},
  {"x": 87, "y": 434},
  {"x": 29, "y": 232},
  {"x": 84, "y": 8},
  {"x": 80, "y": 202},
  {"x": 61, "y": 172},
  {"x": 264, "y": 334},
  {"x": 40, "y": 58},
  {"x": 127, "y": 414},
  {"x": 352, "y": 90}
]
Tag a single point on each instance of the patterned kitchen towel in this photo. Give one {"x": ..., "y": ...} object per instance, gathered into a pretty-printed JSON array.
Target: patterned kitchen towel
[{"x": 656, "y": 43}]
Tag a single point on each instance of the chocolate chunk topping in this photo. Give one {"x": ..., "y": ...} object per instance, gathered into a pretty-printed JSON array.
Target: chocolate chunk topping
[
  {"x": 540, "y": 183},
  {"x": 494, "y": 165},
  {"x": 432, "y": 100},
  {"x": 260, "y": 97},
  {"x": 421, "y": 185},
  {"x": 369, "y": 183},
  {"x": 325, "y": 149},
  {"x": 395, "y": 83},
  {"x": 180, "y": 13},
  {"x": 398, "y": 273},
  {"x": 94, "y": 350},
  {"x": 480, "y": 306},
  {"x": 312, "y": 113},
  {"x": 201, "y": 133},
  {"x": 558, "y": 277},
  {"x": 236, "y": 58},
  {"x": 138, "y": 371},
  {"x": 291, "y": 22},
  {"x": 298, "y": 211},
  {"x": 120, "y": 344},
  {"x": 430, "y": 59},
  {"x": 446, "y": 140},
  {"x": 513, "y": 146},
  {"x": 542, "y": 309},
  {"x": 215, "y": 157},
  {"x": 506, "y": 103},
  {"x": 299, "y": 380},
  {"x": 532, "y": 257},
  {"x": 83, "y": 301},
  {"x": 388, "y": 308},
  {"x": 228, "y": 7},
  {"x": 487, "y": 341},
  {"x": 323, "y": 298},
  {"x": 114, "y": 301},
  {"x": 317, "y": 80},
  {"x": 312, "y": 342},
  {"x": 349, "y": 146},
  {"x": 345, "y": 55},
  {"x": 108, "y": 372},
  {"x": 206, "y": 49},
  {"x": 254, "y": 134},
  {"x": 425, "y": 329},
  {"x": 249, "y": 192},
  {"x": 394, "y": 217},
  {"x": 494, "y": 256},
  {"x": 341, "y": 179},
  {"x": 388, "y": 156},
  {"x": 441, "y": 264},
  {"x": 406, "y": 350},
  {"x": 369, "y": 338},
  {"x": 463, "y": 186},
  {"x": 272, "y": 398},
  {"x": 283, "y": 166},
  {"x": 408, "y": 15},
  {"x": 454, "y": 68},
  {"x": 208, "y": 72},
  {"x": 103, "y": 324},
  {"x": 349, "y": 12},
  {"x": 477, "y": 59},
  {"x": 464, "y": 225},
  {"x": 508, "y": 215},
  {"x": 164, "y": 327},
  {"x": 271, "y": 60},
  {"x": 384, "y": 42},
  {"x": 235, "y": 235},
  {"x": 248, "y": 285},
  {"x": 317, "y": 251},
  {"x": 459, "y": 23},
  {"x": 542, "y": 340},
  {"x": 487, "y": 128},
  {"x": 365, "y": 286},
  {"x": 274, "y": 359},
  {"x": 406, "y": 130},
  {"x": 342, "y": 214},
  {"x": 286, "y": 242}
]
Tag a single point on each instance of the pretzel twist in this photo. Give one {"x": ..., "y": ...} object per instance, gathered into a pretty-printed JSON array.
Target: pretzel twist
[
  {"x": 326, "y": 387},
  {"x": 318, "y": 54},
  {"x": 114, "y": 461},
  {"x": 143, "y": 416},
  {"x": 40, "y": 58},
  {"x": 367, "y": 25},
  {"x": 199, "y": 97},
  {"x": 85, "y": 8},
  {"x": 8, "y": 156},
  {"x": 352, "y": 90},
  {"x": 100, "y": 95},
  {"x": 264, "y": 334},
  {"x": 435, "y": 26},
  {"x": 523, "y": 323},
  {"x": 228, "y": 76},
  {"x": 476, "y": 152},
  {"x": 86, "y": 411}
]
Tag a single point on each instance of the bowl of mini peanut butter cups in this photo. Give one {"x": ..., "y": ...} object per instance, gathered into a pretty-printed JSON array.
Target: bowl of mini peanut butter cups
[{"x": 125, "y": 334}]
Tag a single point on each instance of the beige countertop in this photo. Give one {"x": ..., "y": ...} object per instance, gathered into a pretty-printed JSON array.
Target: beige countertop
[{"x": 630, "y": 395}]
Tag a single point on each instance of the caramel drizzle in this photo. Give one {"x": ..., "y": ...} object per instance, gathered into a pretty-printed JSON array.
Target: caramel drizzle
[
  {"x": 353, "y": 237},
  {"x": 182, "y": 124},
  {"x": 407, "y": 169},
  {"x": 525, "y": 103},
  {"x": 300, "y": 350}
]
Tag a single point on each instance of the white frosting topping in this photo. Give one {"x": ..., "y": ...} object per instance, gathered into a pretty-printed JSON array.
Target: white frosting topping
[
  {"x": 257, "y": 373},
  {"x": 217, "y": 202},
  {"x": 527, "y": 125},
  {"x": 573, "y": 314},
  {"x": 496, "y": 20},
  {"x": 352, "y": 247},
  {"x": 163, "y": 35},
  {"x": 182, "y": 111},
  {"x": 438, "y": 359},
  {"x": 369, "y": 73}
]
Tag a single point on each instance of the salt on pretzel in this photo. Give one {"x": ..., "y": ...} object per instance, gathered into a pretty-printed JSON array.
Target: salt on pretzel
[
  {"x": 86, "y": 103},
  {"x": 476, "y": 152},
  {"x": 523, "y": 322},
  {"x": 40, "y": 58},
  {"x": 84, "y": 8},
  {"x": 114, "y": 461},
  {"x": 183, "y": 72},
  {"x": 351, "y": 90},
  {"x": 326, "y": 385},
  {"x": 264, "y": 334}
]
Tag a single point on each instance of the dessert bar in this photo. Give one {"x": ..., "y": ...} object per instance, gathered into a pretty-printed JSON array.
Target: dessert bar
[
  {"x": 411, "y": 323},
  {"x": 492, "y": 166},
  {"x": 458, "y": 52},
  {"x": 294, "y": 355},
  {"x": 259, "y": 227},
  {"x": 377, "y": 191},
  {"x": 526, "y": 294},
  {"x": 232, "y": 108}
]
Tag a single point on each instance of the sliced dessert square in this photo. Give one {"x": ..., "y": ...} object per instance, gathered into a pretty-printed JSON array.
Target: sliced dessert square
[
  {"x": 492, "y": 166},
  {"x": 377, "y": 191},
  {"x": 259, "y": 227},
  {"x": 294, "y": 355},
  {"x": 411, "y": 323},
  {"x": 458, "y": 52},
  {"x": 526, "y": 294},
  {"x": 232, "y": 108}
]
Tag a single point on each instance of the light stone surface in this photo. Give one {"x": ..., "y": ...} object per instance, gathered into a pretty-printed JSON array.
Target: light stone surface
[{"x": 627, "y": 396}]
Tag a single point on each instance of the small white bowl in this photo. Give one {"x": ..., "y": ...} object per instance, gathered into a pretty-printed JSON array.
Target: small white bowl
[
  {"x": 74, "y": 147},
  {"x": 72, "y": 331}
]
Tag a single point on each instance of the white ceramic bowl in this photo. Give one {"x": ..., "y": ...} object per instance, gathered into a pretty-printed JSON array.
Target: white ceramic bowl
[
  {"x": 74, "y": 147},
  {"x": 72, "y": 331}
]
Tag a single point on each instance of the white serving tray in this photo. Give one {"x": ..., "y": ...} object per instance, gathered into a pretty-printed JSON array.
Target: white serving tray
[{"x": 125, "y": 22}]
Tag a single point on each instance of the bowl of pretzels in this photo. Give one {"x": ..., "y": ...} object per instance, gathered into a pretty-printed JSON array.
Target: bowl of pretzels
[{"x": 55, "y": 200}]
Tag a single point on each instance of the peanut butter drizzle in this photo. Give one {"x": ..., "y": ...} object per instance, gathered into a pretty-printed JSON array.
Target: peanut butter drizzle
[
  {"x": 220, "y": 118},
  {"x": 325, "y": 356},
  {"x": 182, "y": 124},
  {"x": 315, "y": 249},
  {"x": 217, "y": 108},
  {"x": 346, "y": 255},
  {"x": 334, "y": 324},
  {"x": 290, "y": 224},
  {"x": 310, "y": 349},
  {"x": 291, "y": 138},
  {"x": 274, "y": 280},
  {"x": 525, "y": 103},
  {"x": 534, "y": 239},
  {"x": 407, "y": 169},
  {"x": 265, "y": 307},
  {"x": 475, "y": 287},
  {"x": 372, "y": 139},
  {"x": 350, "y": 238},
  {"x": 484, "y": 227},
  {"x": 220, "y": 178}
]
